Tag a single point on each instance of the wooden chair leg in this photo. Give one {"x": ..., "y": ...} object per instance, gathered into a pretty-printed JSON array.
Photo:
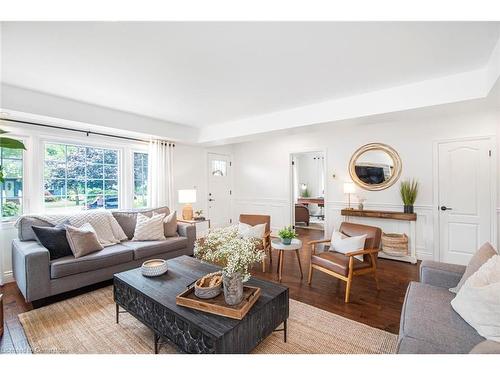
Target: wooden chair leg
[
  {"x": 348, "y": 289},
  {"x": 270, "y": 255},
  {"x": 349, "y": 279},
  {"x": 374, "y": 265},
  {"x": 264, "y": 264},
  {"x": 309, "y": 278}
]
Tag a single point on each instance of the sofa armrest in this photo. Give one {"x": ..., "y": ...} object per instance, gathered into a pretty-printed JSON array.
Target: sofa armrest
[
  {"x": 31, "y": 269},
  {"x": 189, "y": 231},
  {"x": 444, "y": 275}
]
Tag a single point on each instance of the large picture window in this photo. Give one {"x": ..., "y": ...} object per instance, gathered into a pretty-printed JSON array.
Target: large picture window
[
  {"x": 140, "y": 179},
  {"x": 11, "y": 190},
  {"x": 80, "y": 177}
]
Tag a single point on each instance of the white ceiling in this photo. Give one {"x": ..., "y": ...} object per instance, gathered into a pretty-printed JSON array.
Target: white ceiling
[{"x": 203, "y": 74}]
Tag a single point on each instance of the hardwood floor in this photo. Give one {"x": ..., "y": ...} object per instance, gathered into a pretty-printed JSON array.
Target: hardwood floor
[{"x": 380, "y": 309}]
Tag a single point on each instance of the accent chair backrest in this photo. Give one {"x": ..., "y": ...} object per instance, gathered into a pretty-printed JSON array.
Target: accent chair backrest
[
  {"x": 373, "y": 235},
  {"x": 252, "y": 220}
]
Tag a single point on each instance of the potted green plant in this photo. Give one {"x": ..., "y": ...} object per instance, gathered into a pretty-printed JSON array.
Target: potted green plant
[
  {"x": 409, "y": 191},
  {"x": 287, "y": 234},
  {"x": 9, "y": 143}
]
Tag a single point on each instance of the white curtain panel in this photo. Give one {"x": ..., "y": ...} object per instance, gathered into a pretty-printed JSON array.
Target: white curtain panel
[{"x": 160, "y": 174}]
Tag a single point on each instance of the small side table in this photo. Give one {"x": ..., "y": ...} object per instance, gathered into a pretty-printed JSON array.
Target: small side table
[
  {"x": 296, "y": 245},
  {"x": 194, "y": 222}
]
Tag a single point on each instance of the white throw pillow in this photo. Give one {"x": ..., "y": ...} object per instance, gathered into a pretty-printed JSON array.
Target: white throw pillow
[
  {"x": 478, "y": 301},
  {"x": 149, "y": 228},
  {"x": 345, "y": 244},
  {"x": 248, "y": 231}
]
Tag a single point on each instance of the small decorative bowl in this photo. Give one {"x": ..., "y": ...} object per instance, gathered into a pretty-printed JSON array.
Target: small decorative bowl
[
  {"x": 154, "y": 267},
  {"x": 207, "y": 291}
]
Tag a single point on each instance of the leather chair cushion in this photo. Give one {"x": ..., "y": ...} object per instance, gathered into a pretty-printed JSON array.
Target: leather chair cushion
[{"x": 336, "y": 262}]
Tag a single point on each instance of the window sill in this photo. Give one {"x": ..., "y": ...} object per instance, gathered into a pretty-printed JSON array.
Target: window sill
[{"x": 7, "y": 224}]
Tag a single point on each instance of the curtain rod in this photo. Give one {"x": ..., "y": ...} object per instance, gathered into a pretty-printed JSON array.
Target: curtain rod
[{"x": 87, "y": 132}]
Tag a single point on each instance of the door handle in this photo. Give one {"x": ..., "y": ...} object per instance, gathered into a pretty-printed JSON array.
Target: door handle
[
  {"x": 211, "y": 200},
  {"x": 444, "y": 208}
]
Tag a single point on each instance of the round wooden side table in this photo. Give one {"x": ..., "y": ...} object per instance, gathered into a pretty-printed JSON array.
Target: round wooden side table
[{"x": 296, "y": 245}]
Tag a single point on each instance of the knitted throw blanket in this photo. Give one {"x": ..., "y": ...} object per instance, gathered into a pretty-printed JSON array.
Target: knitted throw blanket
[{"x": 107, "y": 229}]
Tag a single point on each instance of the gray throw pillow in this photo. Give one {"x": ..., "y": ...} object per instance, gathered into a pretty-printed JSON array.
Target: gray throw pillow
[
  {"x": 83, "y": 240},
  {"x": 481, "y": 256}
]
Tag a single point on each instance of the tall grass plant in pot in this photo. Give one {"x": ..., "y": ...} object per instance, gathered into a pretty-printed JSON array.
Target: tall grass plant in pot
[{"x": 409, "y": 192}]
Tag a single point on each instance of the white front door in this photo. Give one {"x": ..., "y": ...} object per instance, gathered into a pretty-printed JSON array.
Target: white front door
[
  {"x": 465, "y": 198},
  {"x": 219, "y": 190}
]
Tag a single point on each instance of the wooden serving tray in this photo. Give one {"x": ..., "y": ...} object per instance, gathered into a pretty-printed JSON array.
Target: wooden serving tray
[{"x": 217, "y": 305}]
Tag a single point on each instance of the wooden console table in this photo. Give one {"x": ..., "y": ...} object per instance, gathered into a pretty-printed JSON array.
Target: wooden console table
[
  {"x": 391, "y": 215},
  {"x": 306, "y": 201}
]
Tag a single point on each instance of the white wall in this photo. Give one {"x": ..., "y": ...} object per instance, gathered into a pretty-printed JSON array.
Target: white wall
[{"x": 262, "y": 178}]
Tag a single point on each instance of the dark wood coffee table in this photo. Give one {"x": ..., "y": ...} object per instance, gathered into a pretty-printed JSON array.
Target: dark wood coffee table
[{"x": 152, "y": 301}]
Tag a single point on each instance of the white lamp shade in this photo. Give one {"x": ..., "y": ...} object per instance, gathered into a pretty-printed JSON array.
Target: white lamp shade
[
  {"x": 349, "y": 188},
  {"x": 187, "y": 196}
]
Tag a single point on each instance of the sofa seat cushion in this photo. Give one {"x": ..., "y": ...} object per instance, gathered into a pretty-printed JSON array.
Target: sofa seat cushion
[
  {"x": 109, "y": 256},
  {"x": 336, "y": 262},
  {"x": 146, "y": 249},
  {"x": 428, "y": 318}
]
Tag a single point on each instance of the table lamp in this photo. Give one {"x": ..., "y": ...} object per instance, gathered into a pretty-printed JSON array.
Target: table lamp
[
  {"x": 349, "y": 189},
  {"x": 187, "y": 197}
]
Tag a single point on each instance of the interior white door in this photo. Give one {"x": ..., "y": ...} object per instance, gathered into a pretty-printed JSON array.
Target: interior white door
[
  {"x": 219, "y": 190},
  {"x": 465, "y": 198}
]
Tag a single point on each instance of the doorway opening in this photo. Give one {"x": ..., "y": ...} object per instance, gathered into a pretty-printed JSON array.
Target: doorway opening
[{"x": 308, "y": 190}]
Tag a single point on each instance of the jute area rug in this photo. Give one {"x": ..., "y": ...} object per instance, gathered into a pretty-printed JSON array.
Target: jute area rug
[{"x": 86, "y": 325}]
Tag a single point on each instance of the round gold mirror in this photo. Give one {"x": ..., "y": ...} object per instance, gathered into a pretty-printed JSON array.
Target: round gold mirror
[{"x": 375, "y": 166}]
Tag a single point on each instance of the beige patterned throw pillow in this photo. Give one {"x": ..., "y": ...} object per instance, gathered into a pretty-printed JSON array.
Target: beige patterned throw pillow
[
  {"x": 82, "y": 240},
  {"x": 149, "y": 228},
  {"x": 170, "y": 225}
]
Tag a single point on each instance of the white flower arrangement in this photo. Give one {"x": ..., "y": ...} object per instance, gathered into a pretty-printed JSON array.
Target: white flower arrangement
[{"x": 225, "y": 247}]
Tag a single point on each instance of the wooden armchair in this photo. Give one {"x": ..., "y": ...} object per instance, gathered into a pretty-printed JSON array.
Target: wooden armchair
[
  {"x": 346, "y": 266},
  {"x": 266, "y": 240}
]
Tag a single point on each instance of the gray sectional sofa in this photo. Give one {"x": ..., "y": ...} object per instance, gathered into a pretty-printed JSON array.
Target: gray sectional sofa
[
  {"x": 428, "y": 322},
  {"x": 38, "y": 277}
]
